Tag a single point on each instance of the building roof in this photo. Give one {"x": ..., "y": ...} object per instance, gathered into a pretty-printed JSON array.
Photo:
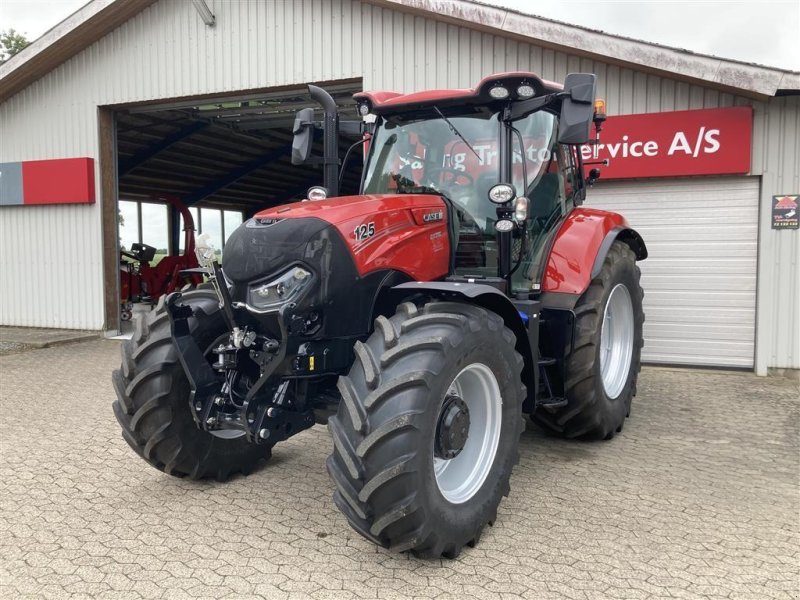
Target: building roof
[
  {"x": 736, "y": 76},
  {"x": 100, "y": 17}
]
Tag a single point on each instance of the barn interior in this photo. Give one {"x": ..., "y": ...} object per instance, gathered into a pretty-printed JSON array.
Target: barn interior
[{"x": 224, "y": 159}]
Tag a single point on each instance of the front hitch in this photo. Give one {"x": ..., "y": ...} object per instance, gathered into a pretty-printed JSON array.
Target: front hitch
[
  {"x": 203, "y": 382},
  {"x": 267, "y": 414}
]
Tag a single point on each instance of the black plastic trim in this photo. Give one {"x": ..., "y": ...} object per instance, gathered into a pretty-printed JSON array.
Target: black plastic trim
[
  {"x": 559, "y": 300},
  {"x": 624, "y": 234}
]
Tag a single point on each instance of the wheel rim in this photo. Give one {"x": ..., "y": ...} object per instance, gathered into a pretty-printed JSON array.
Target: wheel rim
[
  {"x": 616, "y": 341},
  {"x": 460, "y": 478}
]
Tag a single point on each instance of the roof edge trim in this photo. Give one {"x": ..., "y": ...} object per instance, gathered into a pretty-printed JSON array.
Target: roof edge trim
[{"x": 736, "y": 75}]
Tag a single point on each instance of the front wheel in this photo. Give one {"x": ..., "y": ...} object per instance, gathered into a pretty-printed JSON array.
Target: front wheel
[
  {"x": 428, "y": 428},
  {"x": 152, "y": 404}
]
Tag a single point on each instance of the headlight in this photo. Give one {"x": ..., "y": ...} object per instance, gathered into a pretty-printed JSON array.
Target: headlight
[
  {"x": 498, "y": 92},
  {"x": 502, "y": 193},
  {"x": 317, "y": 192},
  {"x": 285, "y": 288},
  {"x": 525, "y": 90},
  {"x": 504, "y": 226}
]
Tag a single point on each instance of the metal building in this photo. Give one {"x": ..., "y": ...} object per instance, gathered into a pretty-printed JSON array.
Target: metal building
[{"x": 125, "y": 83}]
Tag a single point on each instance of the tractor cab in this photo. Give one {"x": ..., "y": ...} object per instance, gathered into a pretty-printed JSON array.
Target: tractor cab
[
  {"x": 458, "y": 155},
  {"x": 492, "y": 152},
  {"x": 502, "y": 155}
]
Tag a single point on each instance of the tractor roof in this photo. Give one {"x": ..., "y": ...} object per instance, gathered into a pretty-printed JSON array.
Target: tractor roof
[{"x": 393, "y": 102}]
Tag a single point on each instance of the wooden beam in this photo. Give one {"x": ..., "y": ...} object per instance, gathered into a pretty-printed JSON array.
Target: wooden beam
[
  {"x": 129, "y": 164},
  {"x": 110, "y": 216}
]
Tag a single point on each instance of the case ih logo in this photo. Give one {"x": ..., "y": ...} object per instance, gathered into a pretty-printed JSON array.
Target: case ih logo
[
  {"x": 433, "y": 216},
  {"x": 690, "y": 142}
]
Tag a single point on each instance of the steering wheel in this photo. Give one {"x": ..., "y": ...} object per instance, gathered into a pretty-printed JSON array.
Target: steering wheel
[{"x": 431, "y": 175}]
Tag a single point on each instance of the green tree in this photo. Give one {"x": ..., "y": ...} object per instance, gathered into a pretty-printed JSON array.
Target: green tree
[{"x": 11, "y": 42}]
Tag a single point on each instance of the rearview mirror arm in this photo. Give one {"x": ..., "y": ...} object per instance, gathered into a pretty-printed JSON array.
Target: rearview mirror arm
[{"x": 520, "y": 110}]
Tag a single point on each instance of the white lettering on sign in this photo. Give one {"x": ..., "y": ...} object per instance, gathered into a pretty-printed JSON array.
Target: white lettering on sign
[
  {"x": 706, "y": 142},
  {"x": 711, "y": 138},
  {"x": 689, "y": 142},
  {"x": 679, "y": 142}
]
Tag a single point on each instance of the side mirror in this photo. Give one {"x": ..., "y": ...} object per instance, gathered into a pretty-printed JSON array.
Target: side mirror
[
  {"x": 577, "y": 109},
  {"x": 303, "y": 131}
]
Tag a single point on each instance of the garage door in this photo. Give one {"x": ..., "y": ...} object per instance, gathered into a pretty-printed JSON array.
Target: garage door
[{"x": 700, "y": 277}]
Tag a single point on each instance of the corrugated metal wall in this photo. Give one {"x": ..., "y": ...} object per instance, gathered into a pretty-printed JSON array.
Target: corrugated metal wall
[
  {"x": 166, "y": 51},
  {"x": 778, "y": 300}
]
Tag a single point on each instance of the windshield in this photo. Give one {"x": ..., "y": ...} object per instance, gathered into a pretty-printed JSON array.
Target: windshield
[{"x": 428, "y": 155}]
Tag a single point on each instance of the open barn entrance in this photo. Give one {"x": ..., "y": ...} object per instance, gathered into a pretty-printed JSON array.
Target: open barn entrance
[{"x": 198, "y": 168}]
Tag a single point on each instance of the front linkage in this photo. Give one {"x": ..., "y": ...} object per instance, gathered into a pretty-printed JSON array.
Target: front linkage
[{"x": 267, "y": 411}]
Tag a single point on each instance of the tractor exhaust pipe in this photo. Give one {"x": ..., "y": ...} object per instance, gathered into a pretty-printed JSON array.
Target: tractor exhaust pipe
[{"x": 330, "y": 129}]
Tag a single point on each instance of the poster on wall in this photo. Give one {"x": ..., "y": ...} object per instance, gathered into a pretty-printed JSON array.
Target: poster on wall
[{"x": 784, "y": 212}]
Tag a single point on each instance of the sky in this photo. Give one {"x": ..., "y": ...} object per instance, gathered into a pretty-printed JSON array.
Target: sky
[
  {"x": 764, "y": 32},
  {"x": 154, "y": 231}
]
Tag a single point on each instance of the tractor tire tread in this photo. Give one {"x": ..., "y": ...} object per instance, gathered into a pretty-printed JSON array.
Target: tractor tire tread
[
  {"x": 380, "y": 377},
  {"x": 585, "y": 415},
  {"x": 147, "y": 387}
]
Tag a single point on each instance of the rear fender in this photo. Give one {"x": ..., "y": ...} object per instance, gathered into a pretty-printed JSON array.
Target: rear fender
[
  {"x": 491, "y": 299},
  {"x": 623, "y": 234},
  {"x": 581, "y": 246}
]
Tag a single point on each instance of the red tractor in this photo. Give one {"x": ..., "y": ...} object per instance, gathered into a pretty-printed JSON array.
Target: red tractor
[
  {"x": 141, "y": 282},
  {"x": 464, "y": 288}
]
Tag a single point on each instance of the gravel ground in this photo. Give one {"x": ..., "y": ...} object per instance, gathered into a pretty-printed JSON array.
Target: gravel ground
[{"x": 698, "y": 498}]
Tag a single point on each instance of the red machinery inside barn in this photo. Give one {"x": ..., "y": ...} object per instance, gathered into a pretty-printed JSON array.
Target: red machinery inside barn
[{"x": 142, "y": 282}]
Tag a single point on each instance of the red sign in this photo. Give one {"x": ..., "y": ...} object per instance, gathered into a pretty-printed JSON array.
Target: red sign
[
  {"x": 712, "y": 141},
  {"x": 59, "y": 181}
]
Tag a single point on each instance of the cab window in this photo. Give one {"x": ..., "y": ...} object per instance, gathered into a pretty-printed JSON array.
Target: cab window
[{"x": 546, "y": 192}]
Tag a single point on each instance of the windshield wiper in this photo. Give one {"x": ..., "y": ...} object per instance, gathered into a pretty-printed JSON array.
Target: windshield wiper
[
  {"x": 455, "y": 131},
  {"x": 409, "y": 186}
]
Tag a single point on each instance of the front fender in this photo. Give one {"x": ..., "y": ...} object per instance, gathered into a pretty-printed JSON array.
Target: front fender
[
  {"x": 490, "y": 298},
  {"x": 581, "y": 246}
]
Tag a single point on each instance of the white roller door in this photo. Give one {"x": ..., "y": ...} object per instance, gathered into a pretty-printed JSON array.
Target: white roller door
[{"x": 700, "y": 277}]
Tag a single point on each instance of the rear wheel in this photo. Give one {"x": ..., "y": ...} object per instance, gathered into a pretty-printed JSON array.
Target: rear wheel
[
  {"x": 152, "y": 404},
  {"x": 428, "y": 428},
  {"x": 604, "y": 365}
]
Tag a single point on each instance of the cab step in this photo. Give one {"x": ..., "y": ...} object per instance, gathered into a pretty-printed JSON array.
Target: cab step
[{"x": 551, "y": 403}]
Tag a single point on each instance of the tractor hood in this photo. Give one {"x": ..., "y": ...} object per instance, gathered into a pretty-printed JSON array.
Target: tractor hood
[
  {"x": 400, "y": 232},
  {"x": 352, "y": 246},
  {"x": 337, "y": 211}
]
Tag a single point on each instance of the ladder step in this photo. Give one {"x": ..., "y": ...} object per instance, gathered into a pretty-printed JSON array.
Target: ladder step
[
  {"x": 546, "y": 362},
  {"x": 551, "y": 403}
]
